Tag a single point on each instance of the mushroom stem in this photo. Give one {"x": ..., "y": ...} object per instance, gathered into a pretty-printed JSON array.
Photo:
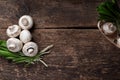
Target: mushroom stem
[
  {"x": 13, "y": 31},
  {"x": 12, "y": 46},
  {"x": 30, "y": 51},
  {"x": 11, "y": 28},
  {"x": 25, "y": 22}
]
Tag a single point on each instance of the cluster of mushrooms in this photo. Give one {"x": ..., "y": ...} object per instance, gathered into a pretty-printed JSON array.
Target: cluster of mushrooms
[
  {"x": 20, "y": 37},
  {"x": 110, "y": 31}
]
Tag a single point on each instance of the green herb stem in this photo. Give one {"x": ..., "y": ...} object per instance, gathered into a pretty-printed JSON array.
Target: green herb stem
[{"x": 20, "y": 58}]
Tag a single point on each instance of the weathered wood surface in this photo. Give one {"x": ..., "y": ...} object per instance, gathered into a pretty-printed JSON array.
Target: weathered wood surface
[
  {"x": 80, "y": 52},
  {"x": 50, "y": 13},
  {"x": 77, "y": 55}
]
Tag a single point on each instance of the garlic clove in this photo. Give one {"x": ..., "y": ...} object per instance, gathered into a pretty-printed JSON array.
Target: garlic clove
[
  {"x": 109, "y": 28},
  {"x": 14, "y": 44},
  {"x": 25, "y": 36},
  {"x": 13, "y": 31},
  {"x": 26, "y": 22},
  {"x": 30, "y": 49}
]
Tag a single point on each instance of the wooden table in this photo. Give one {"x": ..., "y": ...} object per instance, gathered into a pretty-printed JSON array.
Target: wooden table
[{"x": 80, "y": 51}]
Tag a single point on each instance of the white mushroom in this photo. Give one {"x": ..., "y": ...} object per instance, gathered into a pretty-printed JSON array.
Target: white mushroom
[
  {"x": 25, "y": 36},
  {"x": 30, "y": 49},
  {"x": 14, "y": 44},
  {"x": 109, "y": 28},
  {"x": 118, "y": 42},
  {"x": 13, "y": 31},
  {"x": 26, "y": 22}
]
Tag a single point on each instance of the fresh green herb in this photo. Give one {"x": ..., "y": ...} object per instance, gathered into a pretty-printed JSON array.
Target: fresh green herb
[
  {"x": 20, "y": 58},
  {"x": 109, "y": 11}
]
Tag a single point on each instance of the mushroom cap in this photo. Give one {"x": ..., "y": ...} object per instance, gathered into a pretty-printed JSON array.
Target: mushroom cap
[
  {"x": 30, "y": 49},
  {"x": 109, "y": 28},
  {"x": 26, "y": 22},
  {"x": 25, "y": 36},
  {"x": 118, "y": 41},
  {"x": 13, "y": 31},
  {"x": 14, "y": 44}
]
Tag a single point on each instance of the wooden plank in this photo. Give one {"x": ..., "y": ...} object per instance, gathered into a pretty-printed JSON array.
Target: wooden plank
[
  {"x": 50, "y": 13},
  {"x": 77, "y": 55}
]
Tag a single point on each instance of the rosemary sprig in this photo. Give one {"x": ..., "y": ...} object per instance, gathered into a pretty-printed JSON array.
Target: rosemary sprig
[
  {"x": 20, "y": 58},
  {"x": 109, "y": 11}
]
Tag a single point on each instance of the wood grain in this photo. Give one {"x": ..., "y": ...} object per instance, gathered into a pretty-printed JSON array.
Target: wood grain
[
  {"x": 50, "y": 13},
  {"x": 77, "y": 55},
  {"x": 80, "y": 51}
]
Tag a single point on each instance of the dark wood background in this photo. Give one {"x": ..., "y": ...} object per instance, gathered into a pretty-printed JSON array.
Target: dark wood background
[{"x": 80, "y": 51}]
